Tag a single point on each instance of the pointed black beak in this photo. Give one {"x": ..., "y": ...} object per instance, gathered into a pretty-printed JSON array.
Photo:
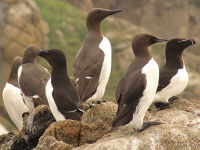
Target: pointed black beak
[
  {"x": 160, "y": 40},
  {"x": 115, "y": 11},
  {"x": 192, "y": 41},
  {"x": 42, "y": 53}
]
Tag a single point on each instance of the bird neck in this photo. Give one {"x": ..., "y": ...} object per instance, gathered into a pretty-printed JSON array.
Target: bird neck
[
  {"x": 13, "y": 77},
  {"x": 59, "y": 75},
  {"x": 142, "y": 52},
  {"x": 28, "y": 60},
  {"x": 174, "y": 59},
  {"x": 94, "y": 28}
]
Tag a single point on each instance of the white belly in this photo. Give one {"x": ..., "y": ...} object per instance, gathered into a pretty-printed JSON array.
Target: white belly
[
  {"x": 54, "y": 109},
  {"x": 177, "y": 84},
  {"x": 3, "y": 130},
  {"x": 105, "y": 71},
  {"x": 14, "y": 104},
  {"x": 151, "y": 70}
]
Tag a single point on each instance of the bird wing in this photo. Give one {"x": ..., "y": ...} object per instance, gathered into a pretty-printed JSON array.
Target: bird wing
[
  {"x": 35, "y": 77},
  {"x": 87, "y": 74},
  {"x": 165, "y": 76},
  {"x": 67, "y": 103},
  {"x": 128, "y": 94}
]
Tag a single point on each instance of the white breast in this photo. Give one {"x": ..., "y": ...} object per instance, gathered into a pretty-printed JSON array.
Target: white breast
[
  {"x": 177, "y": 84},
  {"x": 105, "y": 46},
  {"x": 54, "y": 109},
  {"x": 14, "y": 104},
  {"x": 151, "y": 71},
  {"x": 3, "y": 130},
  {"x": 19, "y": 72}
]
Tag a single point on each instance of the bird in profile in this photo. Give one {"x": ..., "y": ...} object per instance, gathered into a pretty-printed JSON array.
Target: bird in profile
[
  {"x": 12, "y": 97},
  {"x": 92, "y": 64},
  {"x": 32, "y": 79},
  {"x": 173, "y": 78},
  {"x": 62, "y": 96},
  {"x": 137, "y": 88}
]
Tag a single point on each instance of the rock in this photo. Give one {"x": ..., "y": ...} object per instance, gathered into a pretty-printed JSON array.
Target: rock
[
  {"x": 13, "y": 141},
  {"x": 67, "y": 131},
  {"x": 6, "y": 137},
  {"x": 50, "y": 143},
  {"x": 180, "y": 130},
  {"x": 34, "y": 126},
  {"x": 181, "y": 104},
  {"x": 71, "y": 132},
  {"x": 186, "y": 105},
  {"x": 100, "y": 116},
  {"x": 36, "y": 123},
  {"x": 96, "y": 122}
]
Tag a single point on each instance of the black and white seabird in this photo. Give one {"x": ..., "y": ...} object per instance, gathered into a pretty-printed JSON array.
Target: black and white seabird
[
  {"x": 12, "y": 97},
  {"x": 137, "y": 88},
  {"x": 173, "y": 76},
  {"x": 92, "y": 64},
  {"x": 32, "y": 79},
  {"x": 62, "y": 96}
]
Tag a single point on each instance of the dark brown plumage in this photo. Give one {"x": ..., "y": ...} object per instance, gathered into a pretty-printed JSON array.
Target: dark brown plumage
[
  {"x": 33, "y": 77},
  {"x": 89, "y": 59},
  {"x": 13, "y": 77},
  {"x": 132, "y": 85},
  {"x": 174, "y": 60},
  {"x": 64, "y": 94}
]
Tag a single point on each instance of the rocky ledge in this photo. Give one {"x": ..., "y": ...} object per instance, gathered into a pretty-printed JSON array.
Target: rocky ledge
[{"x": 181, "y": 130}]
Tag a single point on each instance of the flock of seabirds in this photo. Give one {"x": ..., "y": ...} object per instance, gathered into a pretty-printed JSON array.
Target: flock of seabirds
[{"x": 144, "y": 83}]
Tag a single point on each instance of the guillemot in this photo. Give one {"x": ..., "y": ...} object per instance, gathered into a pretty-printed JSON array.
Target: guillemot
[
  {"x": 137, "y": 88},
  {"x": 62, "y": 96},
  {"x": 173, "y": 76},
  {"x": 12, "y": 97},
  {"x": 32, "y": 78},
  {"x": 92, "y": 64}
]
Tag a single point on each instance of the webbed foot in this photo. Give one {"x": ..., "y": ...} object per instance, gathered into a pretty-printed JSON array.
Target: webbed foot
[
  {"x": 171, "y": 100},
  {"x": 148, "y": 124},
  {"x": 162, "y": 106}
]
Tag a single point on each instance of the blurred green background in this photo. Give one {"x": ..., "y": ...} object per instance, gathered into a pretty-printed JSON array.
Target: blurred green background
[{"x": 61, "y": 24}]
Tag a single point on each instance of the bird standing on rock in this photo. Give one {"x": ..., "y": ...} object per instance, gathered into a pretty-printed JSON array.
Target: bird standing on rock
[
  {"x": 173, "y": 76},
  {"x": 62, "y": 96},
  {"x": 32, "y": 79},
  {"x": 92, "y": 64},
  {"x": 12, "y": 97},
  {"x": 137, "y": 88}
]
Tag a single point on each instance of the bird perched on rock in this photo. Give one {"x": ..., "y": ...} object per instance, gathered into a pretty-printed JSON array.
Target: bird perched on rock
[
  {"x": 173, "y": 76},
  {"x": 12, "y": 97},
  {"x": 32, "y": 79},
  {"x": 92, "y": 64},
  {"x": 62, "y": 96},
  {"x": 137, "y": 88}
]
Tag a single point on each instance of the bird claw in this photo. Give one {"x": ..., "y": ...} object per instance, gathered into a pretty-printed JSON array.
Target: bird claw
[
  {"x": 25, "y": 114},
  {"x": 148, "y": 124},
  {"x": 171, "y": 100},
  {"x": 162, "y": 106}
]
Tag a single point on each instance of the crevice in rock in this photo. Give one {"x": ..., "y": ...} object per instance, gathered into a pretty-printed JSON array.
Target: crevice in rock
[{"x": 79, "y": 135}]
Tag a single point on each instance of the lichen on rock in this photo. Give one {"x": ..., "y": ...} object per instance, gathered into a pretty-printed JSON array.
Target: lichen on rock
[{"x": 181, "y": 130}]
